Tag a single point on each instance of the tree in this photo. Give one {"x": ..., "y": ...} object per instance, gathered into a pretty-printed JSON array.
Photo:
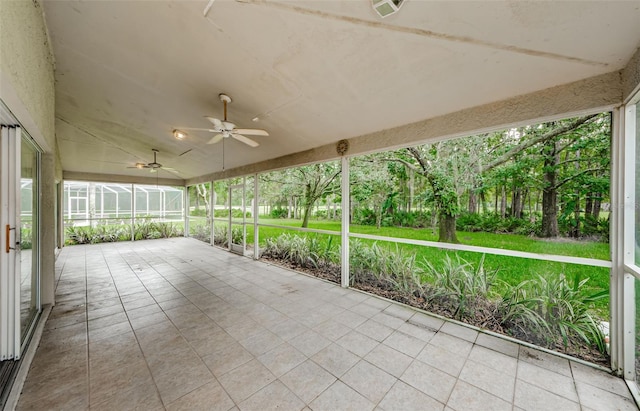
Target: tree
[
  {"x": 318, "y": 180},
  {"x": 309, "y": 183},
  {"x": 455, "y": 166},
  {"x": 373, "y": 184}
]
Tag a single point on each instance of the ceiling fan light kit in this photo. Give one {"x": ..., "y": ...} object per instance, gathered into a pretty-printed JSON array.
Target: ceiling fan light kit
[
  {"x": 154, "y": 166},
  {"x": 226, "y": 129},
  {"x": 179, "y": 134}
]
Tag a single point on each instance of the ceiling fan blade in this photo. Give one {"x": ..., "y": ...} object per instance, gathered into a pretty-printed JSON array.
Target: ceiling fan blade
[
  {"x": 168, "y": 169},
  {"x": 211, "y": 130},
  {"x": 216, "y": 138},
  {"x": 251, "y": 131},
  {"x": 245, "y": 140},
  {"x": 216, "y": 122},
  {"x": 153, "y": 170}
]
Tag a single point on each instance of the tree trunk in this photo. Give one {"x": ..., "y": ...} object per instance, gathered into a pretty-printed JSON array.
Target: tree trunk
[
  {"x": 503, "y": 203},
  {"x": 516, "y": 205},
  {"x": 576, "y": 216},
  {"x": 549, "y": 192},
  {"x": 308, "y": 206},
  {"x": 289, "y": 206},
  {"x": 483, "y": 201},
  {"x": 588, "y": 206},
  {"x": 411, "y": 189},
  {"x": 597, "y": 203},
  {"x": 473, "y": 202},
  {"x": 447, "y": 229},
  {"x": 306, "y": 213}
]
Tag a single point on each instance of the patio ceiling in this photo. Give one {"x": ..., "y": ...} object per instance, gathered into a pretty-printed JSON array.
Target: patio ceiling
[{"x": 313, "y": 72}]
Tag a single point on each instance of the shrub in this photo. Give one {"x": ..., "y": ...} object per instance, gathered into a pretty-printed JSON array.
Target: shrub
[
  {"x": 198, "y": 212},
  {"x": 221, "y": 235},
  {"x": 235, "y": 213},
  {"x": 144, "y": 230},
  {"x": 304, "y": 251},
  {"x": 554, "y": 310},
  {"x": 460, "y": 286},
  {"x": 364, "y": 216},
  {"x": 26, "y": 235},
  {"x": 78, "y": 235},
  {"x": 167, "y": 230},
  {"x": 278, "y": 213},
  {"x": 200, "y": 232},
  {"x": 362, "y": 261}
]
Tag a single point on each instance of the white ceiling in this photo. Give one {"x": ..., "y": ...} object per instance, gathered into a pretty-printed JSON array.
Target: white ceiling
[{"x": 314, "y": 72}]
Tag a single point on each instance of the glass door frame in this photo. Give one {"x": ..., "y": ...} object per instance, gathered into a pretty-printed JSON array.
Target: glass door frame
[
  {"x": 35, "y": 240},
  {"x": 626, "y": 271},
  {"x": 14, "y": 340}
]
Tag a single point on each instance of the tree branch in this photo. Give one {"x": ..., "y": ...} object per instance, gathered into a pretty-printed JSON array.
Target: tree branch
[
  {"x": 566, "y": 180},
  {"x": 531, "y": 142},
  {"x": 404, "y": 162},
  {"x": 416, "y": 154}
]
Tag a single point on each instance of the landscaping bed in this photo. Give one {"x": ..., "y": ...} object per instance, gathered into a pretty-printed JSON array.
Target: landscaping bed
[{"x": 551, "y": 312}]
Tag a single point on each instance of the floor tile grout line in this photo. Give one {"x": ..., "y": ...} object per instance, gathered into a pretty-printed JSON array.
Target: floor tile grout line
[
  {"x": 132, "y": 329},
  {"x": 179, "y": 331},
  {"x": 86, "y": 311},
  {"x": 457, "y": 377},
  {"x": 515, "y": 384},
  {"x": 237, "y": 283}
]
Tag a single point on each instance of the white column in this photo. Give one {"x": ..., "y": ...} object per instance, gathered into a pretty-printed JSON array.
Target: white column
[
  {"x": 345, "y": 222},
  {"x": 255, "y": 211},
  {"x": 133, "y": 212},
  {"x": 626, "y": 134},
  {"x": 212, "y": 203},
  {"x": 185, "y": 209}
]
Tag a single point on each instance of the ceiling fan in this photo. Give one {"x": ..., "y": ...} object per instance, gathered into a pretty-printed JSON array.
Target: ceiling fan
[
  {"x": 154, "y": 166},
  {"x": 226, "y": 129}
]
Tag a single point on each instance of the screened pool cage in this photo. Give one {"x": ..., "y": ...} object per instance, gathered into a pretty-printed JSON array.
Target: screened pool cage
[{"x": 93, "y": 204}]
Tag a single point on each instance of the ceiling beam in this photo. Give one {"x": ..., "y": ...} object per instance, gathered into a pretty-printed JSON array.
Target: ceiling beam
[
  {"x": 594, "y": 94},
  {"x": 123, "y": 179}
]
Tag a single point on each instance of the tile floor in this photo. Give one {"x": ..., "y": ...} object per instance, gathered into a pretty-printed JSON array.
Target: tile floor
[{"x": 178, "y": 325}]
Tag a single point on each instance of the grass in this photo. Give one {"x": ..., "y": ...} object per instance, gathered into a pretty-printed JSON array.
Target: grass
[{"x": 511, "y": 270}]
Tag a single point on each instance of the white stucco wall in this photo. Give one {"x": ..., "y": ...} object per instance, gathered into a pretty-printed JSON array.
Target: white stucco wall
[
  {"x": 631, "y": 76},
  {"x": 27, "y": 88}
]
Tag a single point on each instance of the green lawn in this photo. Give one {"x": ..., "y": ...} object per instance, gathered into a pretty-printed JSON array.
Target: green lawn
[{"x": 512, "y": 270}]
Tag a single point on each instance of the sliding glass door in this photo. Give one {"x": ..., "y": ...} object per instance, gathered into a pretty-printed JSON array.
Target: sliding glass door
[
  {"x": 19, "y": 219},
  {"x": 29, "y": 230}
]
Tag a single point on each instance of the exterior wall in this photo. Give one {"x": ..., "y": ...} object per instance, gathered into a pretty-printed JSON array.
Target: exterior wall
[
  {"x": 594, "y": 94},
  {"x": 27, "y": 88},
  {"x": 631, "y": 76}
]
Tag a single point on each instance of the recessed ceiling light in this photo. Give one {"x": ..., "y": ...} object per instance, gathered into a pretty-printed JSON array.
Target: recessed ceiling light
[{"x": 179, "y": 135}]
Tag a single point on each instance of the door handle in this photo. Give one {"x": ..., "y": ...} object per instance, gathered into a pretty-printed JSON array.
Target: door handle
[{"x": 8, "y": 238}]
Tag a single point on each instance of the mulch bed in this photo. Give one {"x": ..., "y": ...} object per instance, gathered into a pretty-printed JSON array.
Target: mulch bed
[{"x": 484, "y": 316}]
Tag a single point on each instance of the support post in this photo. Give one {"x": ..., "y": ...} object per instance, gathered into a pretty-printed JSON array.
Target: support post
[
  {"x": 133, "y": 212},
  {"x": 185, "y": 210},
  {"x": 256, "y": 208},
  {"x": 346, "y": 192},
  {"x": 212, "y": 207}
]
